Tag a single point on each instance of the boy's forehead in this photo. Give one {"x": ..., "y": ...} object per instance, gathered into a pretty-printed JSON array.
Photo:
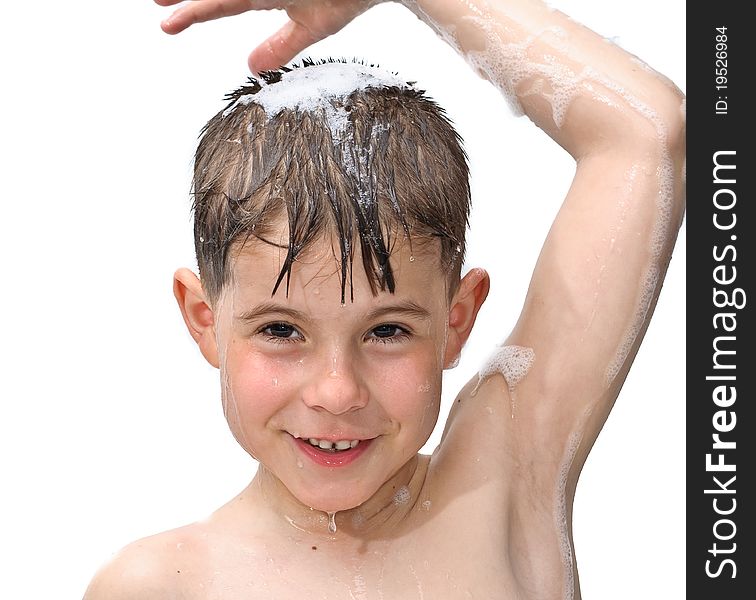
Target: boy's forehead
[{"x": 256, "y": 267}]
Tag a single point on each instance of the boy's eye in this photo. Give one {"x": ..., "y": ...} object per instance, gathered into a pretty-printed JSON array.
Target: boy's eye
[
  {"x": 281, "y": 331},
  {"x": 388, "y": 333}
]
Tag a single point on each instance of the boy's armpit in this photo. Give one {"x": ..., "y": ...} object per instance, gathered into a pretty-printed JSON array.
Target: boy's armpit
[
  {"x": 502, "y": 473},
  {"x": 497, "y": 427}
]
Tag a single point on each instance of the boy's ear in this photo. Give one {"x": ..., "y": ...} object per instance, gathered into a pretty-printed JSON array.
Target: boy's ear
[
  {"x": 470, "y": 295},
  {"x": 198, "y": 316}
]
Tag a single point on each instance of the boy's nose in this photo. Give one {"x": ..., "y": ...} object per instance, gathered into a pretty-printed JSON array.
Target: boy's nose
[{"x": 337, "y": 388}]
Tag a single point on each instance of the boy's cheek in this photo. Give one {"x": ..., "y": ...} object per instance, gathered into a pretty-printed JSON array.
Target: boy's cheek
[
  {"x": 265, "y": 384},
  {"x": 407, "y": 389},
  {"x": 410, "y": 391},
  {"x": 259, "y": 383}
]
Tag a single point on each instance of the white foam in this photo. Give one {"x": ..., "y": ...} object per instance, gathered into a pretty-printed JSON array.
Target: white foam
[
  {"x": 513, "y": 362},
  {"x": 502, "y": 64},
  {"x": 561, "y": 517},
  {"x": 648, "y": 289},
  {"x": 507, "y": 65},
  {"x": 402, "y": 496},
  {"x": 316, "y": 87},
  {"x": 659, "y": 236}
]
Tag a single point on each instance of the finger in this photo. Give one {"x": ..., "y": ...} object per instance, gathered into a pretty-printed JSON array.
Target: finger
[
  {"x": 199, "y": 12},
  {"x": 281, "y": 47}
]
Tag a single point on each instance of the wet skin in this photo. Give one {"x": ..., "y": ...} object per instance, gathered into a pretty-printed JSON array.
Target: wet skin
[
  {"x": 489, "y": 514},
  {"x": 302, "y": 366}
]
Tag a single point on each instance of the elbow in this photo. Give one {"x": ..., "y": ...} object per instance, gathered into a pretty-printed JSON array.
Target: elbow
[
  {"x": 660, "y": 124},
  {"x": 674, "y": 125},
  {"x": 659, "y": 136},
  {"x": 672, "y": 116}
]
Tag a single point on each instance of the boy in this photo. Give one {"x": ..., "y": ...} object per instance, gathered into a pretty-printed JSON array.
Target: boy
[{"x": 330, "y": 208}]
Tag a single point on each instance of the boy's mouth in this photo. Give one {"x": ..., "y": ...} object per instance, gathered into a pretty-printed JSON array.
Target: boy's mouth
[
  {"x": 332, "y": 446},
  {"x": 333, "y": 453}
]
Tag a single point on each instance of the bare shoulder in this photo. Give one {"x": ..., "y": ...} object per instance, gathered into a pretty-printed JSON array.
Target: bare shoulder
[{"x": 159, "y": 566}]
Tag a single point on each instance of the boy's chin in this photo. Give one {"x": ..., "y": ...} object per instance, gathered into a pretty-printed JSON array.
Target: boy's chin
[
  {"x": 331, "y": 504},
  {"x": 333, "y": 498}
]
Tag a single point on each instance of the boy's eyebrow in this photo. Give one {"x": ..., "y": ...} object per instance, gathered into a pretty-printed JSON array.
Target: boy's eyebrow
[
  {"x": 265, "y": 308},
  {"x": 407, "y": 308}
]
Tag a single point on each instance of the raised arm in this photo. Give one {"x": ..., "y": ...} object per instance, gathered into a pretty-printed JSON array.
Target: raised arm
[
  {"x": 602, "y": 265},
  {"x": 599, "y": 273}
]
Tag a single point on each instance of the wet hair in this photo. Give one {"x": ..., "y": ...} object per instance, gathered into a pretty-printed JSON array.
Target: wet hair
[{"x": 378, "y": 165}]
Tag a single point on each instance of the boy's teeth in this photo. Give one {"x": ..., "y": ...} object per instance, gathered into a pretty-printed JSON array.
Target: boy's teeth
[{"x": 338, "y": 445}]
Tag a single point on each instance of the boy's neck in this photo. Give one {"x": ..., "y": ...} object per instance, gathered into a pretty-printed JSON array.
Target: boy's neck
[{"x": 376, "y": 518}]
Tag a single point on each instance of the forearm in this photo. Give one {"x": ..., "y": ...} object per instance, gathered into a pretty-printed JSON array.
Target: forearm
[{"x": 580, "y": 88}]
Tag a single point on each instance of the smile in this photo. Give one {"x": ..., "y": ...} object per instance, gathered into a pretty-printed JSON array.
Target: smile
[
  {"x": 332, "y": 453},
  {"x": 337, "y": 446}
]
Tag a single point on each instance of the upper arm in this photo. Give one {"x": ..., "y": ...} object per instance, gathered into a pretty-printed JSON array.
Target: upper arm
[{"x": 600, "y": 271}]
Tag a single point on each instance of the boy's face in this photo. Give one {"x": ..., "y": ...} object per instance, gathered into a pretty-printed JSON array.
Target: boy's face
[{"x": 304, "y": 367}]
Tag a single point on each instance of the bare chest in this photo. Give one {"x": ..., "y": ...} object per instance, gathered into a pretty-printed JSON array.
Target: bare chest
[{"x": 380, "y": 570}]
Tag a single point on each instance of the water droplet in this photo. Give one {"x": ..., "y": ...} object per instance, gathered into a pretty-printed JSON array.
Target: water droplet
[
  {"x": 426, "y": 504},
  {"x": 300, "y": 464},
  {"x": 275, "y": 381},
  {"x": 412, "y": 259},
  {"x": 331, "y": 522}
]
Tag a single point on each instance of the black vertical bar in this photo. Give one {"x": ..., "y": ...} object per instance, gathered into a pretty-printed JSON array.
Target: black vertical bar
[{"x": 721, "y": 562}]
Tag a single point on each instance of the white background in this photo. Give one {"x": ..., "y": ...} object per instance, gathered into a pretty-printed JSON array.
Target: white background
[{"x": 110, "y": 422}]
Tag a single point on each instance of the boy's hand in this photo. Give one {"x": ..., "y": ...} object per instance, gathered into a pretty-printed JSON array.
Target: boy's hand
[{"x": 309, "y": 21}]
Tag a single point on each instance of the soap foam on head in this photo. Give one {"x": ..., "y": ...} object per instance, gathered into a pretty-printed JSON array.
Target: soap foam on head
[{"x": 319, "y": 87}]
